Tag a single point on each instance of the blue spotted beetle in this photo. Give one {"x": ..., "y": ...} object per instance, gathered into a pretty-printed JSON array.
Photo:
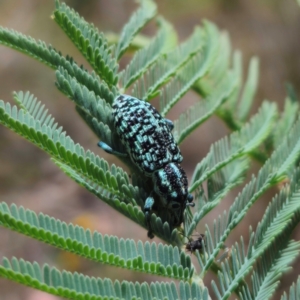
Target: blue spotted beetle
[{"x": 150, "y": 145}]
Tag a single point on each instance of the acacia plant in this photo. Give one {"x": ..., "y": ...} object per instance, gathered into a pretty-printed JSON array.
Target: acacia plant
[{"x": 162, "y": 68}]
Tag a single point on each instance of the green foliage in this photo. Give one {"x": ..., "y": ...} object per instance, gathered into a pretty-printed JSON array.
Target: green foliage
[
  {"x": 236, "y": 145},
  {"x": 138, "y": 20},
  {"x": 89, "y": 42},
  {"x": 193, "y": 70},
  {"x": 35, "y": 49},
  {"x": 148, "y": 86},
  {"x": 151, "y": 258},
  {"x": 203, "y": 64},
  {"x": 287, "y": 118},
  {"x": 249, "y": 90},
  {"x": 270, "y": 244},
  {"x": 201, "y": 111},
  {"x": 77, "y": 286},
  {"x": 294, "y": 293},
  {"x": 145, "y": 57}
]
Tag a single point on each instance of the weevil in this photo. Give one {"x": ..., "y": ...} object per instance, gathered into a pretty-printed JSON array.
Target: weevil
[{"x": 150, "y": 144}]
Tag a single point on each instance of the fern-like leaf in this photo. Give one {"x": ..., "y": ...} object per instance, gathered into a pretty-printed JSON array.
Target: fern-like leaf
[
  {"x": 274, "y": 170},
  {"x": 241, "y": 263},
  {"x": 91, "y": 81},
  {"x": 152, "y": 258},
  {"x": 29, "y": 46},
  {"x": 271, "y": 173},
  {"x": 294, "y": 293},
  {"x": 237, "y": 145},
  {"x": 165, "y": 68},
  {"x": 132, "y": 210},
  {"x": 218, "y": 186},
  {"x": 192, "y": 71},
  {"x": 272, "y": 265},
  {"x": 201, "y": 111},
  {"x": 237, "y": 70},
  {"x": 287, "y": 119},
  {"x": 37, "y": 110},
  {"x": 145, "y": 57},
  {"x": 218, "y": 68},
  {"x": 249, "y": 90},
  {"x": 138, "y": 20},
  {"x": 78, "y": 286},
  {"x": 95, "y": 110},
  {"x": 85, "y": 99},
  {"x": 237, "y": 107},
  {"x": 89, "y": 42},
  {"x": 80, "y": 165},
  {"x": 52, "y": 58}
]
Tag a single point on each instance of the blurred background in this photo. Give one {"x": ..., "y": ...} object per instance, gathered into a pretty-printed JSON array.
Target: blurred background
[{"x": 268, "y": 29}]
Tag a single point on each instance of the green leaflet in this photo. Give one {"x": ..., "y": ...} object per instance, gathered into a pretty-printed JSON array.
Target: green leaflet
[
  {"x": 218, "y": 186},
  {"x": 61, "y": 148},
  {"x": 271, "y": 242},
  {"x": 137, "y": 21},
  {"x": 237, "y": 69},
  {"x": 201, "y": 111},
  {"x": 89, "y": 42},
  {"x": 294, "y": 288},
  {"x": 52, "y": 58},
  {"x": 29, "y": 46},
  {"x": 249, "y": 90},
  {"x": 145, "y": 57},
  {"x": 36, "y": 109},
  {"x": 77, "y": 286},
  {"x": 236, "y": 145},
  {"x": 219, "y": 67},
  {"x": 286, "y": 120},
  {"x": 273, "y": 171},
  {"x": 267, "y": 276},
  {"x": 281, "y": 256},
  {"x": 166, "y": 67},
  {"x": 195, "y": 68},
  {"x": 151, "y": 258},
  {"x": 236, "y": 110},
  {"x": 85, "y": 99}
]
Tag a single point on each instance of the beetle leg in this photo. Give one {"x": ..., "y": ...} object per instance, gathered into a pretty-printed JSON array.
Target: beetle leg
[
  {"x": 147, "y": 209},
  {"x": 110, "y": 150},
  {"x": 169, "y": 124}
]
